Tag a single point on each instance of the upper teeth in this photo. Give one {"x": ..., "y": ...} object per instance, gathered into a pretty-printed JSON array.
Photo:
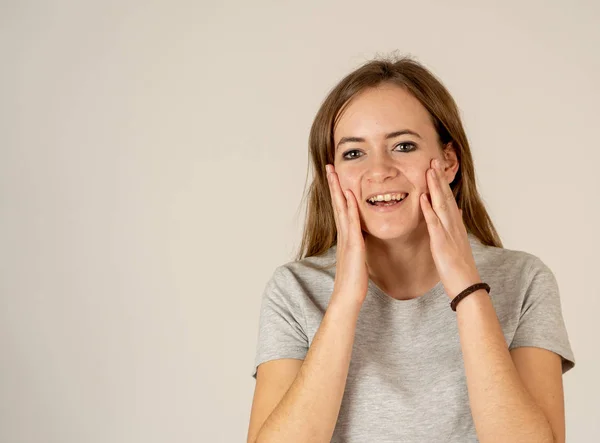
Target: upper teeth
[{"x": 387, "y": 197}]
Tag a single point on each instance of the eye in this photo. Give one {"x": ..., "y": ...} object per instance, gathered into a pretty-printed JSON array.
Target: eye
[
  {"x": 346, "y": 154},
  {"x": 411, "y": 146}
]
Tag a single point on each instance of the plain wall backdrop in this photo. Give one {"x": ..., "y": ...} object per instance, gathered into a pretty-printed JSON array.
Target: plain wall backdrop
[{"x": 153, "y": 156}]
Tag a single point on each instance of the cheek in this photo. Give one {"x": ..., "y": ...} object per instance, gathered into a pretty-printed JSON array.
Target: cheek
[
  {"x": 423, "y": 185},
  {"x": 348, "y": 181},
  {"x": 419, "y": 179}
]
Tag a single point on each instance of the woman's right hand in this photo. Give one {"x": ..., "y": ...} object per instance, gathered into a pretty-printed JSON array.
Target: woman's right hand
[{"x": 352, "y": 275}]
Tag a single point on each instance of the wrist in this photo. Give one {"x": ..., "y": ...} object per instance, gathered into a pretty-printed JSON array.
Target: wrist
[
  {"x": 470, "y": 292},
  {"x": 345, "y": 304},
  {"x": 462, "y": 283}
]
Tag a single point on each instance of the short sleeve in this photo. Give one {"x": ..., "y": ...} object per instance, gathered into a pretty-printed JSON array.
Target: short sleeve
[
  {"x": 281, "y": 333},
  {"x": 541, "y": 322}
]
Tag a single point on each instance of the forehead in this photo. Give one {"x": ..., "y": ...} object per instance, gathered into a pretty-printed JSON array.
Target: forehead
[{"x": 380, "y": 110}]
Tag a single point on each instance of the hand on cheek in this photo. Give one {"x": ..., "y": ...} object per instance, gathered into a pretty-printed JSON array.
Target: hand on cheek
[
  {"x": 351, "y": 279},
  {"x": 449, "y": 242}
]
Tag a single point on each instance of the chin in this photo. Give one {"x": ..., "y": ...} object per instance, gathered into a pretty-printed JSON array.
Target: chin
[{"x": 389, "y": 232}]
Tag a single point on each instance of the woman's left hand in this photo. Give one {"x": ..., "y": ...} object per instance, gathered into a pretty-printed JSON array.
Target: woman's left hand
[{"x": 449, "y": 242}]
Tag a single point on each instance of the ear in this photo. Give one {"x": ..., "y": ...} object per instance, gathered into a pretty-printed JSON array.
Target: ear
[{"x": 451, "y": 163}]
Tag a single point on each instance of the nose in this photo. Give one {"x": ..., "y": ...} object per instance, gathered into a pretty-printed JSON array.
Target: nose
[{"x": 380, "y": 168}]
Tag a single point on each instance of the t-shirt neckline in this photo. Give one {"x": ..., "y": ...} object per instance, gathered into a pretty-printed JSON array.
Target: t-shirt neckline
[
  {"x": 417, "y": 302},
  {"x": 412, "y": 303}
]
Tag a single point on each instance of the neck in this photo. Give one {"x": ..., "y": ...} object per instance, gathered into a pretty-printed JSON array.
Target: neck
[{"x": 403, "y": 267}]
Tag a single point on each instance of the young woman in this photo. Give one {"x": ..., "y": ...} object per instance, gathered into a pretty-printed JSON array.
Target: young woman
[{"x": 403, "y": 318}]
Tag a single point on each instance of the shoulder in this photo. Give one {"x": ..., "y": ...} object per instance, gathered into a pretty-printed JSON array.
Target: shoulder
[
  {"x": 307, "y": 271},
  {"x": 304, "y": 283},
  {"x": 515, "y": 265}
]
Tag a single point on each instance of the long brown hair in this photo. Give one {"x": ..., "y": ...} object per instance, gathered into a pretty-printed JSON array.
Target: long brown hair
[{"x": 319, "y": 227}]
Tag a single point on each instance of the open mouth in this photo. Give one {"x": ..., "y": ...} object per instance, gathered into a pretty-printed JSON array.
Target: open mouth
[{"x": 384, "y": 203}]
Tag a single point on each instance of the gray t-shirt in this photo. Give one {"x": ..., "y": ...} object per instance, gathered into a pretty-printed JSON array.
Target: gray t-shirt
[{"x": 406, "y": 379}]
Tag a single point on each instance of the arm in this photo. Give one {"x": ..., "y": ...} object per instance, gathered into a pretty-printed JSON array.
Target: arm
[
  {"x": 505, "y": 395},
  {"x": 502, "y": 407},
  {"x": 308, "y": 411}
]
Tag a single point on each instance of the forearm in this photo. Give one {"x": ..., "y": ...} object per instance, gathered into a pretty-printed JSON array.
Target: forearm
[
  {"x": 502, "y": 408},
  {"x": 309, "y": 410}
]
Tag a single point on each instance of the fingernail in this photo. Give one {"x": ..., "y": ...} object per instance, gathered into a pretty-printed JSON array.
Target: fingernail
[{"x": 436, "y": 163}]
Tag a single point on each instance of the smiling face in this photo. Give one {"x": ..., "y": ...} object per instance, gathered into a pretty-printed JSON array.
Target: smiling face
[{"x": 384, "y": 142}]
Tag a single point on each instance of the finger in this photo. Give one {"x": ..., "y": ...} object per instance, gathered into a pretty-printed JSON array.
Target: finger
[
  {"x": 433, "y": 221},
  {"x": 354, "y": 229},
  {"x": 442, "y": 198},
  {"x": 437, "y": 203},
  {"x": 444, "y": 185},
  {"x": 339, "y": 201},
  {"x": 333, "y": 205}
]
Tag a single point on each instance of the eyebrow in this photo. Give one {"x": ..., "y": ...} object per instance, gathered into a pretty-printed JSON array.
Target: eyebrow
[{"x": 387, "y": 137}]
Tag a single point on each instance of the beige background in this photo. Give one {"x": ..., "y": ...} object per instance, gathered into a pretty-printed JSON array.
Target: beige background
[{"x": 153, "y": 157}]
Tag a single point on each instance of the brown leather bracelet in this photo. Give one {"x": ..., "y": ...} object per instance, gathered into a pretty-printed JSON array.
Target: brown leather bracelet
[{"x": 468, "y": 291}]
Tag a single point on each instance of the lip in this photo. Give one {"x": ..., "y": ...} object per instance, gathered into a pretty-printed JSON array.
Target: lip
[
  {"x": 387, "y": 208},
  {"x": 385, "y": 192}
]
